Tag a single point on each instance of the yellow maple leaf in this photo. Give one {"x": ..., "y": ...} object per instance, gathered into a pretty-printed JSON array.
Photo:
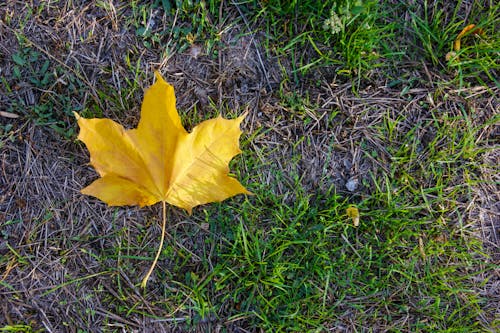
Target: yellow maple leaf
[{"x": 160, "y": 161}]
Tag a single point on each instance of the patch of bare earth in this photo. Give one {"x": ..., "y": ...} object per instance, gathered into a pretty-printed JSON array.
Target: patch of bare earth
[{"x": 60, "y": 269}]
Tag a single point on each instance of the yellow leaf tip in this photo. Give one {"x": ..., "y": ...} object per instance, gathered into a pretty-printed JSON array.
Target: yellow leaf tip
[
  {"x": 158, "y": 76},
  {"x": 160, "y": 81}
]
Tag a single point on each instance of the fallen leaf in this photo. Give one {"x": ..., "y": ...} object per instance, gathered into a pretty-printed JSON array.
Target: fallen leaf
[
  {"x": 353, "y": 213},
  {"x": 160, "y": 160},
  {"x": 470, "y": 29}
]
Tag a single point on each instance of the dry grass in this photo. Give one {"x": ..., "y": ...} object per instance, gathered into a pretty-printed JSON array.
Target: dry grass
[{"x": 70, "y": 262}]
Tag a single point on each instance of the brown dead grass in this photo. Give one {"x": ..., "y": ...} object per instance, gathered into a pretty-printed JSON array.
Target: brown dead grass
[{"x": 50, "y": 276}]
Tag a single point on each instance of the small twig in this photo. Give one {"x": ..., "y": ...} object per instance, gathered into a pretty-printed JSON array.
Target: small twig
[{"x": 160, "y": 247}]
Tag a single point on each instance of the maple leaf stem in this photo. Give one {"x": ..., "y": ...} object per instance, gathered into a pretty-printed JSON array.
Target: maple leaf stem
[{"x": 160, "y": 247}]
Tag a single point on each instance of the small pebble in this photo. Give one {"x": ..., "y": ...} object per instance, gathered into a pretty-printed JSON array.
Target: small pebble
[{"x": 352, "y": 184}]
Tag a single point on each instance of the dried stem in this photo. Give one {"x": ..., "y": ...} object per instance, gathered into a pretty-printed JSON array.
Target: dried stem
[{"x": 164, "y": 223}]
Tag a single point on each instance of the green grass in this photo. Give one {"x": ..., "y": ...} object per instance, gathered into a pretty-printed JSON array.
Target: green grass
[
  {"x": 32, "y": 66},
  {"x": 295, "y": 262},
  {"x": 19, "y": 328},
  {"x": 343, "y": 35},
  {"x": 195, "y": 22},
  {"x": 435, "y": 26},
  {"x": 298, "y": 264}
]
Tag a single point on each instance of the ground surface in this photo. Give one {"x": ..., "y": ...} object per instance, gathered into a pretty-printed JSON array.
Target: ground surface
[{"x": 415, "y": 150}]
